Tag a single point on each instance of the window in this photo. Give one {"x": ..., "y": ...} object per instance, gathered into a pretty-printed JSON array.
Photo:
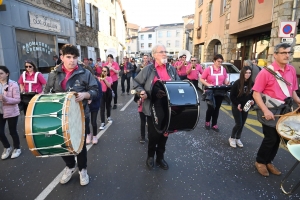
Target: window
[
  {"x": 112, "y": 26},
  {"x": 128, "y": 48},
  {"x": 168, "y": 33},
  {"x": 200, "y": 19},
  {"x": 177, "y": 43},
  {"x": 95, "y": 22},
  {"x": 246, "y": 9},
  {"x": 149, "y": 45},
  {"x": 84, "y": 52},
  {"x": 159, "y": 34},
  {"x": 199, "y": 32},
  {"x": 200, "y": 2},
  {"x": 223, "y": 6},
  {"x": 210, "y": 12},
  {"x": 112, "y": 1},
  {"x": 87, "y": 14},
  {"x": 142, "y": 37},
  {"x": 177, "y": 33},
  {"x": 149, "y": 36},
  {"x": 142, "y": 45},
  {"x": 168, "y": 43}
]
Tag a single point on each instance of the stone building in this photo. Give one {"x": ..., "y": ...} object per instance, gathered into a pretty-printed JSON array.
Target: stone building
[
  {"x": 188, "y": 30},
  {"x": 242, "y": 29}
]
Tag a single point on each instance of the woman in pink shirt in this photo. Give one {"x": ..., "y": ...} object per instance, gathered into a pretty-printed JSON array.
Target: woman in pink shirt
[
  {"x": 114, "y": 72},
  {"x": 31, "y": 81},
  {"x": 194, "y": 71},
  {"x": 181, "y": 67},
  {"x": 212, "y": 76},
  {"x": 106, "y": 83},
  {"x": 9, "y": 111}
]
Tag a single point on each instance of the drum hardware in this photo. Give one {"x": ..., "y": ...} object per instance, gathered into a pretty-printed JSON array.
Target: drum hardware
[{"x": 247, "y": 106}]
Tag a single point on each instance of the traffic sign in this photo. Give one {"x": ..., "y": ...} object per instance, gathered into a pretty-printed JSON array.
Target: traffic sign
[
  {"x": 287, "y": 40},
  {"x": 287, "y": 29}
]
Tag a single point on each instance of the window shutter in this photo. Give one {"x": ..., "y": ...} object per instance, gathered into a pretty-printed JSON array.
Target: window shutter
[
  {"x": 93, "y": 16},
  {"x": 87, "y": 14},
  {"x": 78, "y": 47},
  {"x": 76, "y": 9},
  {"x": 99, "y": 20}
]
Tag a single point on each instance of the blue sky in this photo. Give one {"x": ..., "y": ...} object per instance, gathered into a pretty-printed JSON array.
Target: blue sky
[{"x": 156, "y": 12}]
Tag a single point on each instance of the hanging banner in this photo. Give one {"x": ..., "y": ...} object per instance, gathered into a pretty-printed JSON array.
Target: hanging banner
[{"x": 44, "y": 23}]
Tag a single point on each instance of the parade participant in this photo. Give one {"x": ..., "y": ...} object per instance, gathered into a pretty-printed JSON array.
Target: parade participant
[
  {"x": 113, "y": 71},
  {"x": 240, "y": 94},
  {"x": 86, "y": 62},
  {"x": 255, "y": 69},
  {"x": 9, "y": 111},
  {"x": 274, "y": 95},
  {"x": 56, "y": 60},
  {"x": 144, "y": 63},
  {"x": 212, "y": 76},
  {"x": 181, "y": 67},
  {"x": 125, "y": 74},
  {"x": 106, "y": 83},
  {"x": 31, "y": 81},
  {"x": 143, "y": 83},
  {"x": 71, "y": 76},
  {"x": 194, "y": 71},
  {"x": 91, "y": 63},
  {"x": 133, "y": 63},
  {"x": 98, "y": 67}
]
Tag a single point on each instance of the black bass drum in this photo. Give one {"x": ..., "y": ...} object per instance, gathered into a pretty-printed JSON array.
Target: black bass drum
[{"x": 179, "y": 110}]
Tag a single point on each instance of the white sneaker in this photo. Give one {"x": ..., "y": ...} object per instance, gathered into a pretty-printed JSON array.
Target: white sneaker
[
  {"x": 102, "y": 126},
  {"x": 232, "y": 142},
  {"x": 16, "y": 153},
  {"x": 84, "y": 177},
  {"x": 67, "y": 175},
  {"x": 6, "y": 153},
  {"x": 239, "y": 143},
  {"x": 88, "y": 138},
  {"x": 109, "y": 120}
]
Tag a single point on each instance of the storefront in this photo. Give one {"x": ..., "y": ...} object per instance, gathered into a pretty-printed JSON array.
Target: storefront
[{"x": 30, "y": 33}]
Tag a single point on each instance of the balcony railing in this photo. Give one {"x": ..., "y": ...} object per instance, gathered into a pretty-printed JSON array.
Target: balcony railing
[{"x": 246, "y": 9}]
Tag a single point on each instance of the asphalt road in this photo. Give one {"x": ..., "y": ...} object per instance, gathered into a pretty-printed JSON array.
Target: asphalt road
[{"x": 202, "y": 165}]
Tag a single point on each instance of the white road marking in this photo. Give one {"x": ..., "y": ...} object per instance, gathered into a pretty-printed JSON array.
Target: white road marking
[
  {"x": 127, "y": 104},
  {"x": 54, "y": 183}
]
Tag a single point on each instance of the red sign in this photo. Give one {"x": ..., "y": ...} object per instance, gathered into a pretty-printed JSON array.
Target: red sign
[{"x": 260, "y": 1}]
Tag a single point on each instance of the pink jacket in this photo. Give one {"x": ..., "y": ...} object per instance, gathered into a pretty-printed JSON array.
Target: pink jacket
[{"x": 10, "y": 100}]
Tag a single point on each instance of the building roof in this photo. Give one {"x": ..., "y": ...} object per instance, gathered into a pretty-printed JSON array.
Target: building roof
[
  {"x": 133, "y": 26},
  {"x": 175, "y": 25},
  {"x": 191, "y": 16},
  {"x": 148, "y": 29}
]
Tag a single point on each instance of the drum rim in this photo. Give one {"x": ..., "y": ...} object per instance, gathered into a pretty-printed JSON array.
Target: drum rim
[
  {"x": 282, "y": 118},
  {"x": 198, "y": 102},
  {"x": 28, "y": 126}
]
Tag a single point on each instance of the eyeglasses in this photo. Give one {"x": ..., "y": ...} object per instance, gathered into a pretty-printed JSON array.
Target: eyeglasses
[
  {"x": 28, "y": 66},
  {"x": 161, "y": 52},
  {"x": 285, "y": 53},
  {"x": 193, "y": 60}
]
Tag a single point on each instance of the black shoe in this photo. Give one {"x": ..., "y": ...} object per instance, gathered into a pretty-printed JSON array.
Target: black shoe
[
  {"x": 142, "y": 140},
  {"x": 115, "y": 106},
  {"x": 162, "y": 164},
  {"x": 150, "y": 162}
]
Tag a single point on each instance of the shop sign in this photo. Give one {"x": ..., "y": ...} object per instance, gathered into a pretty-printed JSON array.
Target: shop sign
[
  {"x": 287, "y": 40},
  {"x": 37, "y": 46},
  {"x": 44, "y": 23}
]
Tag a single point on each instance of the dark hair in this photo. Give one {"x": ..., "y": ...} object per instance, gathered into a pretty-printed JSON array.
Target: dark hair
[
  {"x": 107, "y": 69},
  {"x": 281, "y": 45},
  {"x": 242, "y": 81},
  {"x": 32, "y": 63},
  {"x": 91, "y": 59},
  {"x": 6, "y": 70},
  {"x": 55, "y": 56},
  {"x": 90, "y": 69},
  {"x": 218, "y": 56},
  {"x": 70, "y": 49},
  {"x": 110, "y": 56}
]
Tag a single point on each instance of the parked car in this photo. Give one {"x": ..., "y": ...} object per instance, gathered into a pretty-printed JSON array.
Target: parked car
[{"x": 232, "y": 71}]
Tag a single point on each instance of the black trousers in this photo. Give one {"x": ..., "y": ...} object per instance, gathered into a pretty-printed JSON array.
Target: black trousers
[
  {"x": 213, "y": 114},
  {"x": 143, "y": 118},
  {"x": 105, "y": 104},
  {"x": 114, "y": 87},
  {"x": 240, "y": 119},
  {"x": 157, "y": 142},
  {"x": 195, "y": 83},
  {"x": 124, "y": 77},
  {"x": 269, "y": 146},
  {"x": 183, "y": 77},
  {"x": 12, "y": 127},
  {"x": 82, "y": 156},
  {"x": 94, "y": 115}
]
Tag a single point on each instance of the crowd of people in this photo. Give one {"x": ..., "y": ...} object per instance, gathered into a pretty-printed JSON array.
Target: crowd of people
[{"x": 97, "y": 90}]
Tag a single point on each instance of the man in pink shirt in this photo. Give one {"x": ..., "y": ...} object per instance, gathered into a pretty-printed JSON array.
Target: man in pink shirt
[
  {"x": 267, "y": 84},
  {"x": 194, "y": 71}
]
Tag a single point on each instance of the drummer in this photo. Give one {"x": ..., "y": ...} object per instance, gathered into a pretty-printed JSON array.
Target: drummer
[
  {"x": 214, "y": 75},
  {"x": 31, "y": 81},
  {"x": 267, "y": 85},
  {"x": 143, "y": 82},
  {"x": 70, "y": 76}
]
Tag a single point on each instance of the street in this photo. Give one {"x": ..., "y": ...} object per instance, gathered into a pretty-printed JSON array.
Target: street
[{"x": 202, "y": 165}]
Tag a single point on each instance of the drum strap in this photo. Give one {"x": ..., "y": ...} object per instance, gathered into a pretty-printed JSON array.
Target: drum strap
[
  {"x": 216, "y": 75},
  {"x": 280, "y": 80}
]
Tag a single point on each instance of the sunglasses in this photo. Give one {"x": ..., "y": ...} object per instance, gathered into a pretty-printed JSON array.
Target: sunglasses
[
  {"x": 28, "y": 66},
  {"x": 193, "y": 60}
]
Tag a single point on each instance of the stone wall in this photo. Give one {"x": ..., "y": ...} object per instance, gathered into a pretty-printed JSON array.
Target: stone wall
[{"x": 86, "y": 36}]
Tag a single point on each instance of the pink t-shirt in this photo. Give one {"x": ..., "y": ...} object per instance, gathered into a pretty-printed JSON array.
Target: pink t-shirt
[
  {"x": 98, "y": 70},
  {"x": 113, "y": 75},
  {"x": 267, "y": 84},
  {"x": 68, "y": 74},
  {"x": 162, "y": 73},
  {"x": 211, "y": 79},
  {"x": 182, "y": 70},
  {"x": 194, "y": 74},
  {"x": 35, "y": 87},
  {"x": 104, "y": 86}
]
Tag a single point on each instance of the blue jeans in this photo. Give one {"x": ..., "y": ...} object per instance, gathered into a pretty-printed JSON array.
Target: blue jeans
[{"x": 240, "y": 119}]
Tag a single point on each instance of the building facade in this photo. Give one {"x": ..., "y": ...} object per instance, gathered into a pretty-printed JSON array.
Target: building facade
[
  {"x": 241, "y": 29},
  {"x": 146, "y": 39},
  {"x": 34, "y": 30},
  {"x": 132, "y": 48},
  {"x": 171, "y": 35},
  {"x": 188, "y": 32}
]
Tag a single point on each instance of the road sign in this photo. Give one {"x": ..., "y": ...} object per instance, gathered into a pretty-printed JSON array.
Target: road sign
[
  {"x": 287, "y": 29},
  {"x": 287, "y": 40}
]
